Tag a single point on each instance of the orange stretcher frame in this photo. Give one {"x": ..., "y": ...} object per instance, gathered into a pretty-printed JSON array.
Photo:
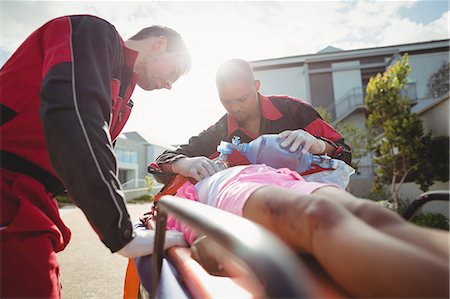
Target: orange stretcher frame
[{"x": 201, "y": 284}]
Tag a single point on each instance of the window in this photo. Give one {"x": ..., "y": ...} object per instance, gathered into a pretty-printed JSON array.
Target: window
[{"x": 126, "y": 156}]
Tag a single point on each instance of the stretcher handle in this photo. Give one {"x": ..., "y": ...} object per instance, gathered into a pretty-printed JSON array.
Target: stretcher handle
[
  {"x": 442, "y": 195},
  {"x": 276, "y": 267}
]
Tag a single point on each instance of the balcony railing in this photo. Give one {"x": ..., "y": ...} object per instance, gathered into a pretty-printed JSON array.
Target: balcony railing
[
  {"x": 354, "y": 99},
  {"x": 134, "y": 183}
]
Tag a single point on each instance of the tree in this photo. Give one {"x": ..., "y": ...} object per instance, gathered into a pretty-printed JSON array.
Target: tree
[
  {"x": 435, "y": 160},
  {"x": 150, "y": 182},
  {"x": 438, "y": 83},
  {"x": 355, "y": 137},
  {"x": 396, "y": 135}
]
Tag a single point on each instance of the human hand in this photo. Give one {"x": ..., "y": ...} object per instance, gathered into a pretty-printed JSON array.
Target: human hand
[
  {"x": 144, "y": 240},
  {"x": 195, "y": 167},
  {"x": 300, "y": 137},
  {"x": 210, "y": 255}
]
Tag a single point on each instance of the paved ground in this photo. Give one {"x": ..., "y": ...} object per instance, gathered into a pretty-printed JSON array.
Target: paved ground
[{"x": 88, "y": 269}]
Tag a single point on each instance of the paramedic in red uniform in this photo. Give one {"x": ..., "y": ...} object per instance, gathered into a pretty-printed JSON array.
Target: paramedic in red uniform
[
  {"x": 64, "y": 98},
  {"x": 250, "y": 114}
]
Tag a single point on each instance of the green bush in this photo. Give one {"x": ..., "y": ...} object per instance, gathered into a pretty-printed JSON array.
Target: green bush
[
  {"x": 64, "y": 198},
  {"x": 433, "y": 220},
  {"x": 141, "y": 199},
  {"x": 381, "y": 195}
]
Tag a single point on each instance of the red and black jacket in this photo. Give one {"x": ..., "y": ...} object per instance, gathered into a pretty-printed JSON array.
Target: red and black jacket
[
  {"x": 64, "y": 98},
  {"x": 278, "y": 113}
]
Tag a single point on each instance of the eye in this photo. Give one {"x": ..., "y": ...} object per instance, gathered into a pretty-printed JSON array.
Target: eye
[{"x": 242, "y": 99}]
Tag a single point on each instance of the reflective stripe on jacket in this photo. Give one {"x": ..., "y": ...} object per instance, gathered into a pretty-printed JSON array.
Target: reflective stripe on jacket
[{"x": 64, "y": 98}]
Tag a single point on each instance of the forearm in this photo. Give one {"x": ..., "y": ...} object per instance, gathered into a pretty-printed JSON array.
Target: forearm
[
  {"x": 86, "y": 164},
  {"x": 205, "y": 144},
  {"x": 337, "y": 149},
  {"x": 167, "y": 167},
  {"x": 189, "y": 160},
  {"x": 161, "y": 170},
  {"x": 329, "y": 149},
  {"x": 75, "y": 111}
]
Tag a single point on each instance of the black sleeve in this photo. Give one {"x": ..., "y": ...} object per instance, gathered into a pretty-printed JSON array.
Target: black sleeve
[
  {"x": 204, "y": 144},
  {"x": 75, "y": 111}
]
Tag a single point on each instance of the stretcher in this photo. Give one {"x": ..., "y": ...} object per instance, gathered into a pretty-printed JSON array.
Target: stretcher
[{"x": 272, "y": 270}]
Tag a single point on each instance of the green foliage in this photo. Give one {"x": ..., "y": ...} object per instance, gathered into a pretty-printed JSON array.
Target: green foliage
[
  {"x": 434, "y": 164},
  {"x": 64, "y": 198},
  {"x": 399, "y": 149},
  {"x": 150, "y": 182},
  {"x": 325, "y": 114},
  {"x": 383, "y": 99},
  {"x": 433, "y": 220},
  {"x": 380, "y": 195},
  {"x": 438, "y": 155},
  {"x": 141, "y": 199},
  {"x": 438, "y": 83},
  {"x": 355, "y": 137}
]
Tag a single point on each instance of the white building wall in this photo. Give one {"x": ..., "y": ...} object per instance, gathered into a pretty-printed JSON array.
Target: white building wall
[
  {"x": 358, "y": 119},
  {"x": 286, "y": 81},
  {"x": 132, "y": 173},
  {"x": 422, "y": 67},
  {"x": 346, "y": 77},
  {"x": 436, "y": 119}
]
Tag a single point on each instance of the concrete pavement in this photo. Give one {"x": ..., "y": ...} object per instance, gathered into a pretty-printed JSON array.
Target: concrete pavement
[{"x": 88, "y": 269}]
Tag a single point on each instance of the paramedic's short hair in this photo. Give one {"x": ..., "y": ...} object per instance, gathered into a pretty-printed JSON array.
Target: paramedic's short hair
[
  {"x": 234, "y": 71},
  {"x": 175, "y": 43}
]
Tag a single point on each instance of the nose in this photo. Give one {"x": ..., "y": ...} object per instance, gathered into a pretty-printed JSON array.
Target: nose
[{"x": 234, "y": 108}]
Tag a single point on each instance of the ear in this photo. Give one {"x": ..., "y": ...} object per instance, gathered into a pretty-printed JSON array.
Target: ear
[
  {"x": 257, "y": 85},
  {"x": 159, "y": 44}
]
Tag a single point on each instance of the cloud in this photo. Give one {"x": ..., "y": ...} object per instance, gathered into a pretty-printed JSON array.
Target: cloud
[
  {"x": 215, "y": 31},
  {"x": 365, "y": 24},
  {"x": 406, "y": 31},
  {"x": 259, "y": 30},
  {"x": 20, "y": 19}
]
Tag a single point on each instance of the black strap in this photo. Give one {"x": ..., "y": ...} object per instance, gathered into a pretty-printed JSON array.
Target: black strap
[
  {"x": 6, "y": 114},
  {"x": 15, "y": 163}
]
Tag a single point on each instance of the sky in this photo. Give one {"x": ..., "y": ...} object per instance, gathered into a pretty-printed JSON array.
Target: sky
[{"x": 216, "y": 31}]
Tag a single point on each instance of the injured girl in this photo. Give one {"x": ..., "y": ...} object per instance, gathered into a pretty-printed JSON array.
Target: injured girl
[{"x": 367, "y": 249}]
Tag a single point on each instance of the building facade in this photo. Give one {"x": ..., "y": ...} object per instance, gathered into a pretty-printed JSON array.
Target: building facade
[
  {"x": 337, "y": 79},
  {"x": 134, "y": 152}
]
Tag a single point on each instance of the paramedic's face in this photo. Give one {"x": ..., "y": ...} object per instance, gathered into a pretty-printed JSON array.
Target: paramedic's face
[
  {"x": 240, "y": 99},
  {"x": 161, "y": 71}
]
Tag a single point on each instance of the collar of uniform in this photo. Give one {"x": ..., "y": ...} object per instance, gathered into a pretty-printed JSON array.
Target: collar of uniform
[
  {"x": 268, "y": 111},
  {"x": 130, "y": 57}
]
